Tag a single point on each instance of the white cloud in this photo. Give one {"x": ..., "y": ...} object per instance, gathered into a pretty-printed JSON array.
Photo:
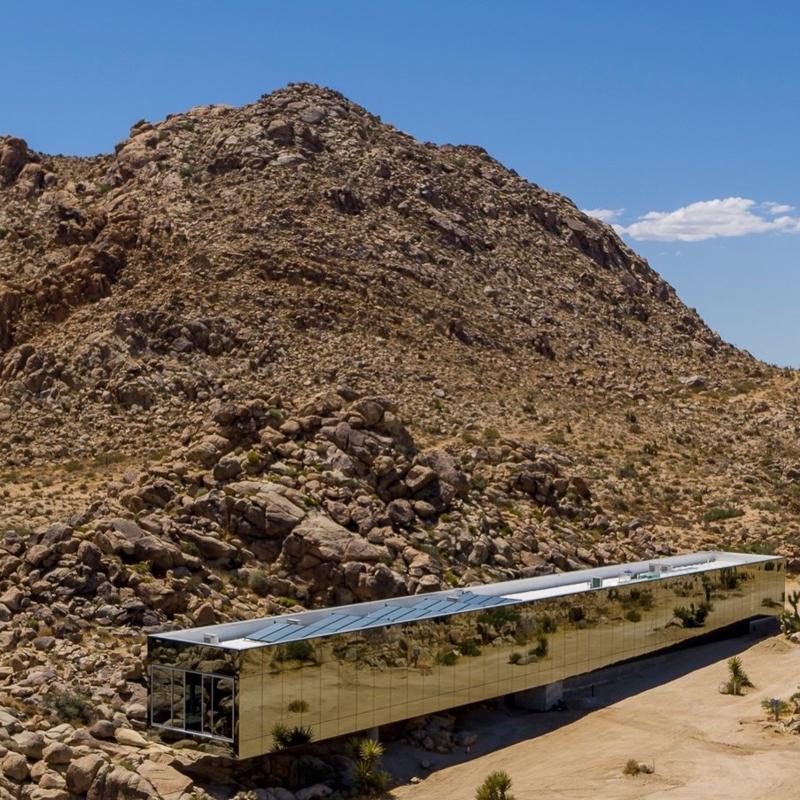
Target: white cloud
[
  {"x": 777, "y": 208},
  {"x": 709, "y": 219},
  {"x": 604, "y": 214}
]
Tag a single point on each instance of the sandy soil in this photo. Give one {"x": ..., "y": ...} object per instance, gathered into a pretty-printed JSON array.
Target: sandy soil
[{"x": 671, "y": 714}]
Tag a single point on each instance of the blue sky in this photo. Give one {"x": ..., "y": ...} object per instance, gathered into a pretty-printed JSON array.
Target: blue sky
[{"x": 647, "y": 110}]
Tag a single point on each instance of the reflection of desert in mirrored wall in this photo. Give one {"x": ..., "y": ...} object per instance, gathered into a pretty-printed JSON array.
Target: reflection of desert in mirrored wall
[{"x": 349, "y": 682}]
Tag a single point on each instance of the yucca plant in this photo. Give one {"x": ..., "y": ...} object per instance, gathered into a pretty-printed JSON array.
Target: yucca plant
[
  {"x": 369, "y": 779},
  {"x": 776, "y": 707},
  {"x": 738, "y": 679},
  {"x": 496, "y": 787}
]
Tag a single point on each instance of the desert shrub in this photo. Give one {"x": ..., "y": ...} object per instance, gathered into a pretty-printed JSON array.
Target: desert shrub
[
  {"x": 548, "y": 624},
  {"x": 301, "y": 650},
  {"x": 631, "y": 767},
  {"x": 447, "y": 658},
  {"x": 515, "y": 658},
  {"x": 191, "y": 548},
  {"x": 693, "y": 616},
  {"x": 491, "y": 434},
  {"x": 627, "y": 471},
  {"x": 253, "y": 457},
  {"x": 298, "y": 706},
  {"x": 729, "y": 579},
  {"x": 259, "y": 582},
  {"x": 576, "y": 613},
  {"x": 69, "y": 705},
  {"x": 633, "y": 615},
  {"x": 718, "y": 514},
  {"x": 283, "y": 736},
  {"x": 478, "y": 483},
  {"x": 634, "y": 767},
  {"x": 542, "y": 647},
  {"x": 642, "y": 598},
  {"x": 499, "y": 616},
  {"x": 469, "y": 647}
]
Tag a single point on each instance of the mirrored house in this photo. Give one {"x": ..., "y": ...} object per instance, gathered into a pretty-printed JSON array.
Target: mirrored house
[{"x": 246, "y": 688}]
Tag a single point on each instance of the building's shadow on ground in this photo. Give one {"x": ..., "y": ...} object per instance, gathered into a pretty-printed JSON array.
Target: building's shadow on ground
[{"x": 498, "y": 724}]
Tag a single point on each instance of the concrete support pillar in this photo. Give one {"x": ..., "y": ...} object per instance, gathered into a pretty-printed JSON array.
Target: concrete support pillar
[{"x": 542, "y": 698}]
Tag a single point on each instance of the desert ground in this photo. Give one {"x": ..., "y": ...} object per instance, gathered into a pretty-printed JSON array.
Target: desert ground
[{"x": 669, "y": 714}]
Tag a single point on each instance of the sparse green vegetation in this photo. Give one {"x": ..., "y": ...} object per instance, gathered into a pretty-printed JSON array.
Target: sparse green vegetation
[
  {"x": 718, "y": 514},
  {"x": 627, "y": 471},
  {"x": 69, "y": 705},
  {"x": 497, "y": 786}
]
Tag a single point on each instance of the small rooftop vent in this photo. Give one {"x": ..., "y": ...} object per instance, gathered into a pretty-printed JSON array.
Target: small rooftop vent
[{"x": 210, "y": 638}]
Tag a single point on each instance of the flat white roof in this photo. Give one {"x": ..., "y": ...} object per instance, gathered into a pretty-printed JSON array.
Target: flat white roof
[{"x": 283, "y": 628}]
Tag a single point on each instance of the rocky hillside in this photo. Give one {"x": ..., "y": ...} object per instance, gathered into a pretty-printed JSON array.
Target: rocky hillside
[{"x": 285, "y": 354}]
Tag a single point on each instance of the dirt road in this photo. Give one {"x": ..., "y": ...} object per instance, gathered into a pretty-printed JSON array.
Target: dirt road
[{"x": 703, "y": 744}]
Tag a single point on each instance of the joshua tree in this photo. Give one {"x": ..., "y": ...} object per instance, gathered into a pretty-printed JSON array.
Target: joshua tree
[
  {"x": 791, "y": 622},
  {"x": 737, "y": 677},
  {"x": 495, "y": 787},
  {"x": 794, "y": 600}
]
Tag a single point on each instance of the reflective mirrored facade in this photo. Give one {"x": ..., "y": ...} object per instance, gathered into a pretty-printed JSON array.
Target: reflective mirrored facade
[{"x": 245, "y": 700}]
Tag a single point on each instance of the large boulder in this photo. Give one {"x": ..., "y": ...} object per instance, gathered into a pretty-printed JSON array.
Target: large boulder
[
  {"x": 82, "y": 771},
  {"x": 446, "y": 469},
  {"x": 15, "y": 766},
  {"x": 320, "y": 539},
  {"x": 14, "y": 155},
  {"x": 120, "y": 783},
  {"x": 166, "y": 780},
  {"x": 126, "y": 537},
  {"x": 30, "y": 744}
]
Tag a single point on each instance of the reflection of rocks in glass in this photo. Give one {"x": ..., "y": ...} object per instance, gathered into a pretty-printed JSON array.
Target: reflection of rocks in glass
[{"x": 343, "y": 683}]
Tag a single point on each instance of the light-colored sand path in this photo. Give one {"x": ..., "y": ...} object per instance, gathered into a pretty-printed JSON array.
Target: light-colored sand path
[{"x": 703, "y": 744}]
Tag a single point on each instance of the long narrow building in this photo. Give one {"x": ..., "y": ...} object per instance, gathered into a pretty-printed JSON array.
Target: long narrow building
[{"x": 243, "y": 688}]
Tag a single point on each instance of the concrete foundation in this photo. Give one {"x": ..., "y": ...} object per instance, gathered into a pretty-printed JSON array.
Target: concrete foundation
[
  {"x": 764, "y": 626},
  {"x": 542, "y": 698}
]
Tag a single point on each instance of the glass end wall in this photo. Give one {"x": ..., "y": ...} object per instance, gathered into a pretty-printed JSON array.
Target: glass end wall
[{"x": 193, "y": 692}]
